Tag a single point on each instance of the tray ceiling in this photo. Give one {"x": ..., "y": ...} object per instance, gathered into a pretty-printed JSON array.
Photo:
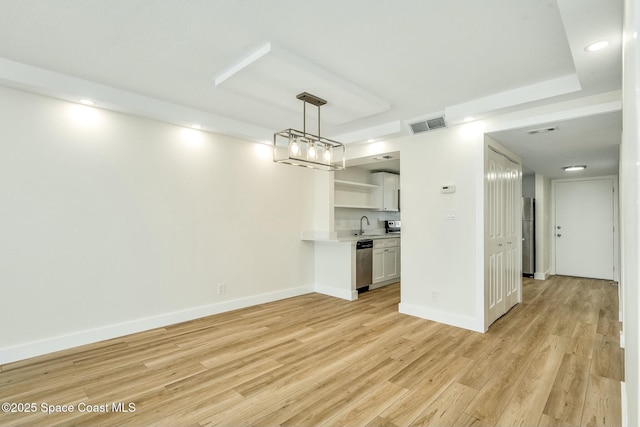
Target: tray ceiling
[{"x": 236, "y": 66}]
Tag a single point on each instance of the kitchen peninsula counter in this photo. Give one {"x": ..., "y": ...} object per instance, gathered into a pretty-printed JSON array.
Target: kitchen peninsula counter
[{"x": 335, "y": 263}]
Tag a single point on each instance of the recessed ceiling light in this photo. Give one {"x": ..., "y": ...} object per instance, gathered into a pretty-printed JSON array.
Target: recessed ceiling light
[
  {"x": 597, "y": 45},
  {"x": 196, "y": 126},
  {"x": 469, "y": 119},
  {"x": 87, "y": 102},
  {"x": 574, "y": 168},
  {"x": 371, "y": 140}
]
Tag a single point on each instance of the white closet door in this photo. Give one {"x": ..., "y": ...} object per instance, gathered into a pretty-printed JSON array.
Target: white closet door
[
  {"x": 495, "y": 236},
  {"x": 503, "y": 246},
  {"x": 512, "y": 243}
]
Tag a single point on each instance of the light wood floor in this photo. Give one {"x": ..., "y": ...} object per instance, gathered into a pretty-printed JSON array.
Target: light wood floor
[{"x": 316, "y": 360}]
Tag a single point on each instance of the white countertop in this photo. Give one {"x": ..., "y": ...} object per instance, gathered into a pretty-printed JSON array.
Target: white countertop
[
  {"x": 368, "y": 236},
  {"x": 350, "y": 238},
  {"x": 354, "y": 239}
]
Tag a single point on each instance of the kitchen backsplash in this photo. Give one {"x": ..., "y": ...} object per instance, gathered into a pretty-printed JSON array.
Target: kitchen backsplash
[{"x": 347, "y": 221}]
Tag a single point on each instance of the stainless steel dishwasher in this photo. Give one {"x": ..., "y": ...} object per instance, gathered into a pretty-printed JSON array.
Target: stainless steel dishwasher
[{"x": 364, "y": 264}]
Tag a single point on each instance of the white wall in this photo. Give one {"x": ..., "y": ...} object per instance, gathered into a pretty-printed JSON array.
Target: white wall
[
  {"x": 529, "y": 185},
  {"x": 323, "y": 224},
  {"x": 443, "y": 260},
  {"x": 543, "y": 227},
  {"x": 111, "y": 223},
  {"x": 629, "y": 213}
]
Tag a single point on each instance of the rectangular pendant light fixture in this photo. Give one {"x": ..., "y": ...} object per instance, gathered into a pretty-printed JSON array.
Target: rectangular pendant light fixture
[{"x": 300, "y": 148}]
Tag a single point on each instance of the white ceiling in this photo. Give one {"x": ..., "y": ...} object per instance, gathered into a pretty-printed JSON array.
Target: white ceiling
[
  {"x": 236, "y": 66},
  {"x": 593, "y": 141}
]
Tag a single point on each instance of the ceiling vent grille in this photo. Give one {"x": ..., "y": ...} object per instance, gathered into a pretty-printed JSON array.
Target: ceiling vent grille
[
  {"x": 542, "y": 130},
  {"x": 428, "y": 125}
]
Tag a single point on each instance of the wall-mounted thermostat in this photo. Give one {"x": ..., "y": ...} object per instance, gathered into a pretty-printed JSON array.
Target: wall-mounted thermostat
[{"x": 447, "y": 189}]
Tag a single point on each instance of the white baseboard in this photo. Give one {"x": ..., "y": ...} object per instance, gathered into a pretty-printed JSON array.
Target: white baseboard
[
  {"x": 338, "y": 293},
  {"x": 541, "y": 276},
  {"x": 464, "y": 322},
  {"x": 63, "y": 342}
]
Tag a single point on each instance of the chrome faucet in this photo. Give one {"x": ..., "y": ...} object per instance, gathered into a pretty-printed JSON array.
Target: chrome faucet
[{"x": 368, "y": 223}]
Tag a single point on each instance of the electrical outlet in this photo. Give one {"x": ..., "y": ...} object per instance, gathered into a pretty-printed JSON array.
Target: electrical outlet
[
  {"x": 222, "y": 289},
  {"x": 434, "y": 296}
]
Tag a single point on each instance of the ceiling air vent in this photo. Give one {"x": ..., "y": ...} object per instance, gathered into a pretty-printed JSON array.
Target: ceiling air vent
[
  {"x": 427, "y": 125},
  {"x": 542, "y": 130}
]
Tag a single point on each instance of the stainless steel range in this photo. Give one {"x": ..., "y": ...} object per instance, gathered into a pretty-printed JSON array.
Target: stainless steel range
[{"x": 392, "y": 226}]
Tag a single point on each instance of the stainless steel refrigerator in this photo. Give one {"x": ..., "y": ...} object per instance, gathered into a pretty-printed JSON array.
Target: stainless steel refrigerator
[{"x": 528, "y": 236}]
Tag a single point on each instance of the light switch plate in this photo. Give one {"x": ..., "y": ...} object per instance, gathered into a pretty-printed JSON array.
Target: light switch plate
[{"x": 448, "y": 189}]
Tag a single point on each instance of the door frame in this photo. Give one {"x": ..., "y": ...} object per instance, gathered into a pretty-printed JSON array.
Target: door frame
[{"x": 616, "y": 226}]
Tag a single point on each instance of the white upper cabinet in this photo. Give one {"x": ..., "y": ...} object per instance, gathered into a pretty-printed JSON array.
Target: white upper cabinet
[{"x": 387, "y": 196}]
